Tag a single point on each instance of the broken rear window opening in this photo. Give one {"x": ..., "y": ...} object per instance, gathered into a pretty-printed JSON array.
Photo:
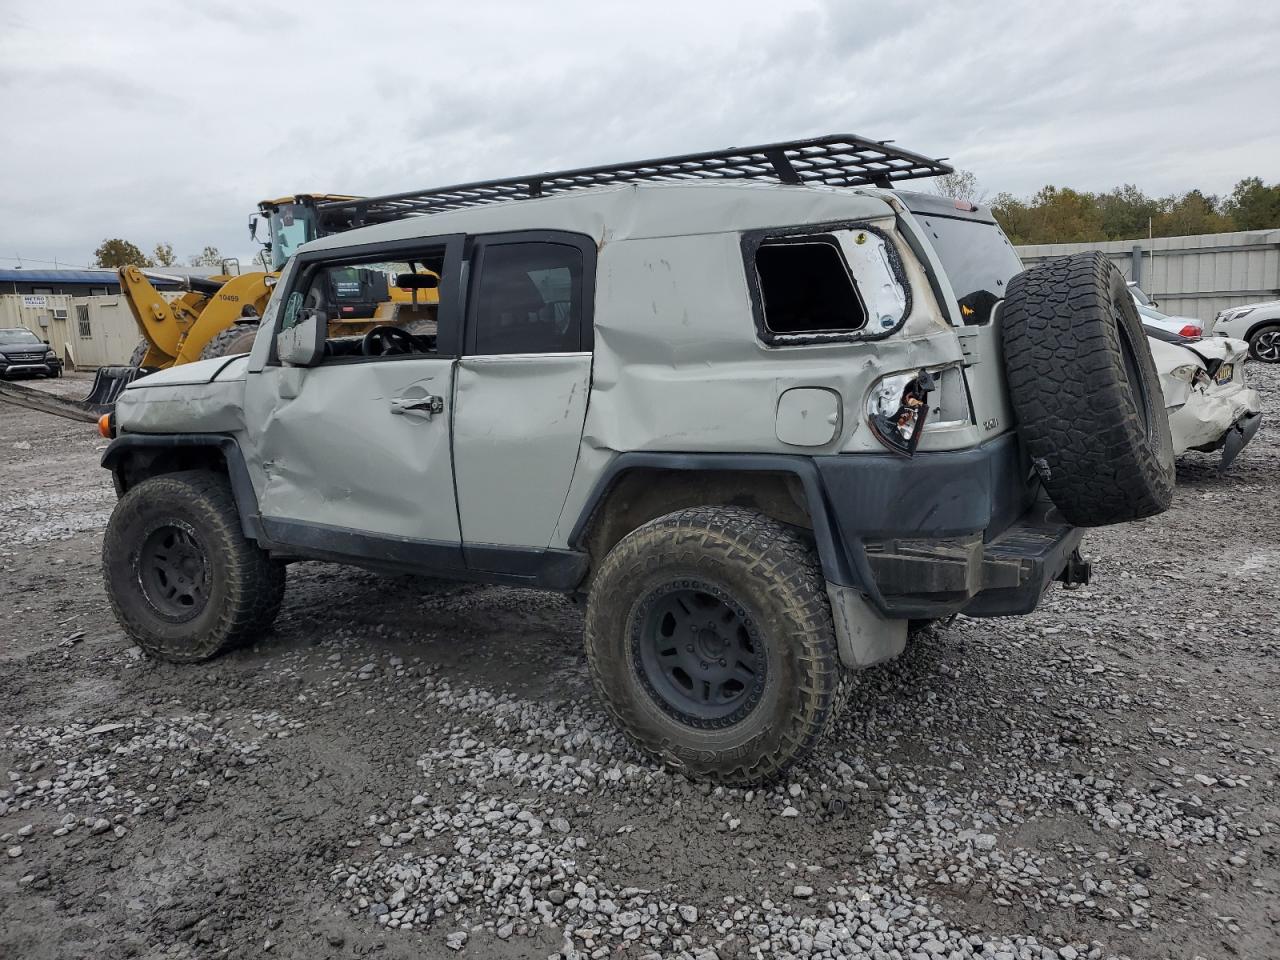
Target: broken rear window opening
[
  {"x": 806, "y": 288},
  {"x": 978, "y": 260}
]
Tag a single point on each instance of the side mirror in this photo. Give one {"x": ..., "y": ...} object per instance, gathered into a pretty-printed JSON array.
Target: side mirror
[
  {"x": 300, "y": 342},
  {"x": 253, "y": 229}
]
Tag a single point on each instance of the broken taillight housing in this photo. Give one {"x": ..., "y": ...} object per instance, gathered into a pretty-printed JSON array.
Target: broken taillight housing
[
  {"x": 897, "y": 409},
  {"x": 1191, "y": 331}
]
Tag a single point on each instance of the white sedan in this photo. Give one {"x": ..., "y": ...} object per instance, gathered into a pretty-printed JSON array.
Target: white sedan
[
  {"x": 1209, "y": 405},
  {"x": 1182, "y": 326}
]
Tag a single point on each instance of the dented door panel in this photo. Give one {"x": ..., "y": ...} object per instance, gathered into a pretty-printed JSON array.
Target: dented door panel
[{"x": 343, "y": 453}]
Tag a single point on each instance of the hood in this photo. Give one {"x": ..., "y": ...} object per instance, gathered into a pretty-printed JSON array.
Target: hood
[
  {"x": 202, "y": 371},
  {"x": 1264, "y": 305}
]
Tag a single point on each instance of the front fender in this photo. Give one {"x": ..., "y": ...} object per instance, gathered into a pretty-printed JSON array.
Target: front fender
[{"x": 137, "y": 456}]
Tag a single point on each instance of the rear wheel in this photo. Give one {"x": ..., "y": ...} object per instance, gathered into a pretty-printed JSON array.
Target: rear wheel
[
  {"x": 710, "y": 640},
  {"x": 183, "y": 581},
  {"x": 1264, "y": 344}
]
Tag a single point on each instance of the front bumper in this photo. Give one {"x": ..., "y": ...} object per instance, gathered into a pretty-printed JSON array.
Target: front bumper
[
  {"x": 1238, "y": 437},
  {"x": 953, "y": 532},
  {"x": 23, "y": 366}
]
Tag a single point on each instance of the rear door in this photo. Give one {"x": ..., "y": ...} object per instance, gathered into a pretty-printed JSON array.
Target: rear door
[{"x": 521, "y": 387}]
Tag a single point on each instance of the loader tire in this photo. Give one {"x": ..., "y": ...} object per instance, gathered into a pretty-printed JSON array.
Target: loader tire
[
  {"x": 710, "y": 640},
  {"x": 231, "y": 341},
  {"x": 183, "y": 580},
  {"x": 1086, "y": 393}
]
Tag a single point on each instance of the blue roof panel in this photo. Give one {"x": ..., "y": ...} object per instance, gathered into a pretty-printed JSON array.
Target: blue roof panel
[{"x": 58, "y": 276}]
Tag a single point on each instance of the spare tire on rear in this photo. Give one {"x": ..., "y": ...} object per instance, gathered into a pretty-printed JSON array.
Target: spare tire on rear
[{"x": 1086, "y": 393}]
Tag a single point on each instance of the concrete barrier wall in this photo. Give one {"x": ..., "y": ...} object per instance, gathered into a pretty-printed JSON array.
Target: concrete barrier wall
[{"x": 1189, "y": 276}]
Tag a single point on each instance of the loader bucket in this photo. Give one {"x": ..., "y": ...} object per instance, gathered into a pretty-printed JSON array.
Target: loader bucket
[{"x": 107, "y": 385}]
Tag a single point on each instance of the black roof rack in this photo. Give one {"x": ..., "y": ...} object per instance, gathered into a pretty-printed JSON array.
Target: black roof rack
[{"x": 840, "y": 160}]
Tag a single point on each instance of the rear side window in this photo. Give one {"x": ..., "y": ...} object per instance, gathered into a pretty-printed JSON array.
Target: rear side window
[
  {"x": 827, "y": 283},
  {"x": 528, "y": 298},
  {"x": 806, "y": 288}
]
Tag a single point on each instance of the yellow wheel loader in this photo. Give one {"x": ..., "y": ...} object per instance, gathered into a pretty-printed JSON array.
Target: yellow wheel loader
[{"x": 219, "y": 315}]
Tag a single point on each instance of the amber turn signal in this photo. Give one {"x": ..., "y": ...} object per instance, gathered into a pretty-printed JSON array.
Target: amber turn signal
[{"x": 105, "y": 426}]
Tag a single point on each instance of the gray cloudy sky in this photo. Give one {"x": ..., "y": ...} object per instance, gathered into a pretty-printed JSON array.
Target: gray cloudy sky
[{"x": 168, "y": 122}]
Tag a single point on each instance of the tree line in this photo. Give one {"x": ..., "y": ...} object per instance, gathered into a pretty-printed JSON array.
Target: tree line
[
  {"x": 116, "y": 253},
  {"x": 1063, "y": 215}
]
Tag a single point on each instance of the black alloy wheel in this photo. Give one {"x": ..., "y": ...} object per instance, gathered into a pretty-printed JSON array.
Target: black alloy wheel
[
  {"x": 173, "y": 571},
  {"x": 700, "y": 654}
]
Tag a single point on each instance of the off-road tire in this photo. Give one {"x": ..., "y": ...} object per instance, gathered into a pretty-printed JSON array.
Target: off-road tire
[
  {"x": 773, "y": 574},
  {"x": 1272, "y": 334},
  {"x": 245, "y": 589},
  {"x": 1086, "y": 393},
  {"x": 235, "y": 339}
]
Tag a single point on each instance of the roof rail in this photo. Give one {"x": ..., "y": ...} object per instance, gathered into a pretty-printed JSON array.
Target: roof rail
[{"x": 838, "y": 159}]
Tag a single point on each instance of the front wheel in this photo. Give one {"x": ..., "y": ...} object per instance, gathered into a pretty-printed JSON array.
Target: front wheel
[
  {"x": 183, "y": 580},
  {"x": 710, "y": 641},
  {"x": 1264, "y": 345}
]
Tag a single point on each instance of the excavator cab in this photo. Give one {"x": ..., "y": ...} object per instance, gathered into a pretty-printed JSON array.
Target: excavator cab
[{"x": 291, "y": 222}]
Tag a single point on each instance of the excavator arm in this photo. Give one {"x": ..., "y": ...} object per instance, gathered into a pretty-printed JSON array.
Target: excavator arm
[
  {"x": 177, "y": 331},
  {"x": 162, "y": 324}
]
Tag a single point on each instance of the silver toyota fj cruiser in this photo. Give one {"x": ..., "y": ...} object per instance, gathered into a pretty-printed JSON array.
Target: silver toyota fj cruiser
[{"x": 759, "y": 410}]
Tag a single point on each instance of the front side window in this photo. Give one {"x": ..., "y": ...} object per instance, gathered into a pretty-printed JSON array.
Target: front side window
[
  {"x": 370, "y": 309},
  {"x": 528, "y": 298}
]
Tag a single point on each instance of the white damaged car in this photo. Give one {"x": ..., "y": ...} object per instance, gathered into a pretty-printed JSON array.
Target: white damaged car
[{"x": 1209, "y": 404}]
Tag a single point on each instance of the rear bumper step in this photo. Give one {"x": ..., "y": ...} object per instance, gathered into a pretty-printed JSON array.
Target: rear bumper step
[{"x": 924, "y": 578}]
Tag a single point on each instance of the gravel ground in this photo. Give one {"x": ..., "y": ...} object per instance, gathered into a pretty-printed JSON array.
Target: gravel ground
[{"x": 410, "y": 768}]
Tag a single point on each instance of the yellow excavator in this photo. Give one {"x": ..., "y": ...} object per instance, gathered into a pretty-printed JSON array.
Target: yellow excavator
[{"x": 219, "y": 315}]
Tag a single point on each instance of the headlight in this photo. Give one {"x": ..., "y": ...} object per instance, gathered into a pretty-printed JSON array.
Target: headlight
[
  {"x": 50, "y": 355},
  {"x": 1236, "y": 314},
  {"x": 1190, "y": 372},
  {"x": 897, "y": 408}
]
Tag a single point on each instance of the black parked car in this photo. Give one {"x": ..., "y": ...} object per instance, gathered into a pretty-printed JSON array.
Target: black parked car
[{"x": 21, "y": 351}]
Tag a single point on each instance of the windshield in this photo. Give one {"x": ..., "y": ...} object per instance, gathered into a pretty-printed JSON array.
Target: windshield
[
  {"x": 292, "y": 225},
  {"x": 18, "y": 335},
  {"x": 978, "y": 259}
]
